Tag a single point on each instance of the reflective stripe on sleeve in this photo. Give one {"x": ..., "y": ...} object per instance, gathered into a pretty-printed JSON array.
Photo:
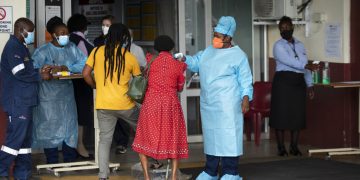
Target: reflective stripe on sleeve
[
  {"x": 25, "y": 151},
  {"x": 9, "y": 150},
  {"x": 18, "y": 68}
]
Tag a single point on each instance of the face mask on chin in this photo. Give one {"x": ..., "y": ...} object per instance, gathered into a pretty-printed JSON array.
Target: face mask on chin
[{"x": 287, "y": 34}]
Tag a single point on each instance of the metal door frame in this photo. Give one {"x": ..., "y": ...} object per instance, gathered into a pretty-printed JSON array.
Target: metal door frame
[{"x": 182, "y": 48}]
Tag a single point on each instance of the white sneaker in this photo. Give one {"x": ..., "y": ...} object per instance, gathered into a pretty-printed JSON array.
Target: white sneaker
[{"x": 120, "y": 150}]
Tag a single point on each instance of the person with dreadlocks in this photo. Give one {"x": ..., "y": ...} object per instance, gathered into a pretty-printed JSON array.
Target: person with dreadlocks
[
  {"x": 55, "y": 118},
  {"x": 113, "y": 66}
]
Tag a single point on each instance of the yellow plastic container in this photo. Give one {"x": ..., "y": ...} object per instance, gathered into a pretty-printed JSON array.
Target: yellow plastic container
[{"x": 63, "y": 73}]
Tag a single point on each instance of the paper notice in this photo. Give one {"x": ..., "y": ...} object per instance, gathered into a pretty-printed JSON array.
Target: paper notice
[{"x": 333, "y": 40}]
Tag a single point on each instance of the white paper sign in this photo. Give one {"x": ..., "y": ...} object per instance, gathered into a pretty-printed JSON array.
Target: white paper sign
[
  {"x": 51, "y": 11},
  {"x": 98, "y": 10},
  {"x": 333, "y": 40},
  {"x": 6, "y": 19}
]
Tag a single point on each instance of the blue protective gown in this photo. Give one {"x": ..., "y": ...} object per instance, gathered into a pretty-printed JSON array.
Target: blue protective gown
[
  {"x": 55, "y": 118},
  {"x": 225, "y": 78}
]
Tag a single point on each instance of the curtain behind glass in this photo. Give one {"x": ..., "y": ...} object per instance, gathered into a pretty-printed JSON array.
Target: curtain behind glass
[
  {"x": 241, "y": 11},
  {"x": 167, "y": 19}
]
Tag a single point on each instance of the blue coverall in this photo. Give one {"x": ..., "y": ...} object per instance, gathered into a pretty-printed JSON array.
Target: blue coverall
[{"x": 19, "y": 81}]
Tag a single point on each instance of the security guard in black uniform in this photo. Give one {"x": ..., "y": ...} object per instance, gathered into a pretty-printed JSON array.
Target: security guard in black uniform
[{"x": 19, "y": 81}]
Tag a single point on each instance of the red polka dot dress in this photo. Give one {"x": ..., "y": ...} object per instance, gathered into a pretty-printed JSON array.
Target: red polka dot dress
[{"x": 161, "y": 132}]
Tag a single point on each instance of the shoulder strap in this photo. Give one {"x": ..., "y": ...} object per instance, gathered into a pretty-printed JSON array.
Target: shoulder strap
[
  {"x": 76, "y": 39},
  {"x": 147, "y": 69}
]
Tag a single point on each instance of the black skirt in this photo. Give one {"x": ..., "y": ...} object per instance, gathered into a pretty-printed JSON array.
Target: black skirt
[
  {"x": 84, "y": 102},
  {"x": 288, "y": 101}
]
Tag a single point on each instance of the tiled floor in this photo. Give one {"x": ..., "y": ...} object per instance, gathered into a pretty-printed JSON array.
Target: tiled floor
[{"x": 252, "y": 154}]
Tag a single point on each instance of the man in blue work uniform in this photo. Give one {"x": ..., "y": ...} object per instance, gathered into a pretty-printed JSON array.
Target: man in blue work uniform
[{"x": 19, "y": 81}]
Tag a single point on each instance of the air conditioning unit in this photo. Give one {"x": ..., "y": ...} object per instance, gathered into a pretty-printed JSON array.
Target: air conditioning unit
[{"x": 275, "y": 9}]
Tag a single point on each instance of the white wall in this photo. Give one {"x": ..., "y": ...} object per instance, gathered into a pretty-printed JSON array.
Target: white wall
[
  {"x": 337, "y": 11},
  {"x": 19, "y": 10}
]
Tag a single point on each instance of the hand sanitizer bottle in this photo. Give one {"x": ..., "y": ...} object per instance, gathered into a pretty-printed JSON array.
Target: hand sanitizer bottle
[
  {"x": 316, "y": 74},
  {"x": 326, "y": 74}
]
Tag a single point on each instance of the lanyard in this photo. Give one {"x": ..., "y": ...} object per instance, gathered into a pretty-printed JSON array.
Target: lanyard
[{"x": 293, "y": 48}]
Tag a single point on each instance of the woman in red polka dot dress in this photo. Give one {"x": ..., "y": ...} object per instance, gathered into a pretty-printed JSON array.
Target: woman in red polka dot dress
[{"x": 161, "y": 132}]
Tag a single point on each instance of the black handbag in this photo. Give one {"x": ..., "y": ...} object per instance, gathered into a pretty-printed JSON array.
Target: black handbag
[{"x": 138, "y": 84}]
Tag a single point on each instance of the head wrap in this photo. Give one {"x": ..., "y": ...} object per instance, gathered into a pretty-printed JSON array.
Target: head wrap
[
  {"x": 163, "y": 43},
  {"x": 226, "y": 26},
  {"x": 53, "y": 23}
]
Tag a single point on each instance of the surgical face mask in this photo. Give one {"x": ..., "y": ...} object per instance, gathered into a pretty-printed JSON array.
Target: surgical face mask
[
  {"x": 125, "y": 44},
  {"x": 218, "y": 43},
  {"x": 287, "y": 34},
  {"x": 30, "y": 37},
  {"x": 86, "y": 33},
  {"x": 63, "y": 40},
  {"x": 105, "y": 29}
]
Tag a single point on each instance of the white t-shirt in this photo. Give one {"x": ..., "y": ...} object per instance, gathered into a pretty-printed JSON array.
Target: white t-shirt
[{"x": 138, "y": 52}]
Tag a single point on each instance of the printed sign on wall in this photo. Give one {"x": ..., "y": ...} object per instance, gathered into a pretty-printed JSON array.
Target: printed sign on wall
[
  {"x": 83, "y": 2},
  {"x": 6, "y": 19}
]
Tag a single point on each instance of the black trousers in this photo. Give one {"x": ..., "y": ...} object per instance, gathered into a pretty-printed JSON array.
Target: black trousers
[
  {"x": 122, "y": 133},
  {"x": 229, "y": 165}
]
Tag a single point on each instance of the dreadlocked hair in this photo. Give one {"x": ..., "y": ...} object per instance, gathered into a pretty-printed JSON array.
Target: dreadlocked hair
[{"x": 117, "y": 38}]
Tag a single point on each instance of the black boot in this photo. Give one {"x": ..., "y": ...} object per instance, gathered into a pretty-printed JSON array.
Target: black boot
[
  {"x": 280, "y": 142},
  {"x": 282, "y": 151},
  {"x": 294, "y": 150}
]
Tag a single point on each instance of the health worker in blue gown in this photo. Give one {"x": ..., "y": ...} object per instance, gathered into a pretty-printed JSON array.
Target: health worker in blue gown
[
  {"x": 226, "y": 89},
  {"x": 55, "y": 118}
]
